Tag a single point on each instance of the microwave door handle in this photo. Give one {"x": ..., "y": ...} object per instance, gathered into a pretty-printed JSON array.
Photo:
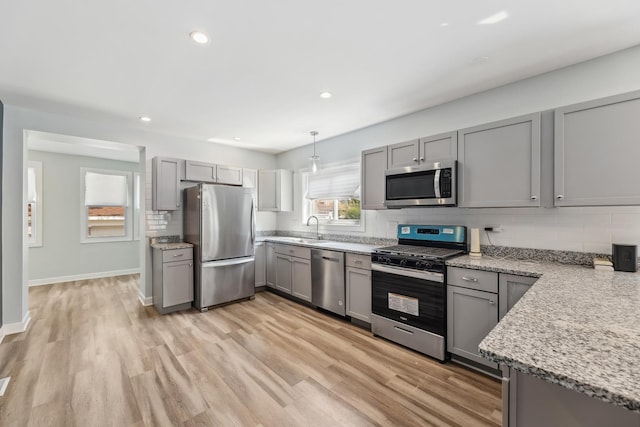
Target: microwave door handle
[{"x": 436, "y": 184}]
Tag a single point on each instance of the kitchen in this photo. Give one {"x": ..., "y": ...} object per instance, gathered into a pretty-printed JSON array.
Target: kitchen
[{"x": 581, "y": 229}]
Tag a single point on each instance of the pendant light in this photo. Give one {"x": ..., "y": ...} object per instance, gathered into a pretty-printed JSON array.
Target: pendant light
[{"x": 315, "y": 158}]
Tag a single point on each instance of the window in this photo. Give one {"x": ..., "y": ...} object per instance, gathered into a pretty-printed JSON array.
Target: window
[
  {"x": 34, "y": 204},
  {"x": 106, "y": 211},
  {"x": 333, "y": 195}
]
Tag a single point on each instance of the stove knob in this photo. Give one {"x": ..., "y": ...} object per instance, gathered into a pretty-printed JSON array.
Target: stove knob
[
  {"x": 420, "y": 265},
  {"x": 403, "y": 262}
]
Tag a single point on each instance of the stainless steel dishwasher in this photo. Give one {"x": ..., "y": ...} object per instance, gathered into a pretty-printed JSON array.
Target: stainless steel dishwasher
[{"x": 327, "y": 280}]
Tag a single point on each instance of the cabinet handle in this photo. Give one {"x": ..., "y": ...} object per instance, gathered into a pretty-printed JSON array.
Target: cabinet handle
[
  {"x": 469, "y": 279},
  {"x": 492, "y": 302},
  {"x": 190, "y": 265},
  {"x": 415, "y": 159},
  {"x": 559, "y": 197},
  {"x": 177, "y": 255},
  {"x": 534, "y": 197},
  {"x": 358, "y": 261},
  {"x": 422, "y": 159}
]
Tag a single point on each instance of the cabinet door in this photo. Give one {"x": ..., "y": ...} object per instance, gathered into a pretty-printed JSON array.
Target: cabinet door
[
  {"x": 373, "y": 165},
  {"x": 471, "y": 315},
  {"x": 267, "y": 195},
  {"x": 260, "y": 264},
  {"x": 271, "y": 265},
  {"x": 439, "y": 147},
  {"x": 166, "y": 184},
  {"x": 250, "y": 180},
  {"x": 499, "y": 164},
  {"x": 228, "y": 175},
  {"x": 596, "y": 152},
  {"x": 403, "y": 154},
  {"x": 177, "y": 280},
  {"x": 358, "y": 293},
  {"x": 283, "y": 273},
  {"x": 512, "y": 288},
  {"x": 301, "y": 286},
  {"x": 199, "y": 171}
]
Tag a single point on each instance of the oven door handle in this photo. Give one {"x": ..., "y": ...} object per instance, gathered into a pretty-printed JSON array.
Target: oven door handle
[{"x": 418, "y": 274}]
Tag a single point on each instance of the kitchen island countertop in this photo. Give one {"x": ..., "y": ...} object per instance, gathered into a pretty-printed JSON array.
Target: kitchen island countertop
[{"x": 576, "y": 327}]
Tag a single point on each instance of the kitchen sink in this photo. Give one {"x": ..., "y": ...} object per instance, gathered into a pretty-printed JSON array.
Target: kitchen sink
[{"x": 301, "y": 240}]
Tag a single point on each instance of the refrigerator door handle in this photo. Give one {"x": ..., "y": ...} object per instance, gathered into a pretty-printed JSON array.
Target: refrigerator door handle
[
  {"x": 226, "y": 262},
  {"x": 253, "y": 224}
]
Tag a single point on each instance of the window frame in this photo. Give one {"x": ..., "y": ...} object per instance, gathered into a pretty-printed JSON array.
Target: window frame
[
  {"x": 329, "y": 225},
  {"x": 35, "y": 241},
  {"x": 128, "y": 216}
]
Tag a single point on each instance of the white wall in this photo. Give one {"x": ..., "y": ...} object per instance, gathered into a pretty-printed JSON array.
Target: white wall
[
  {"x": 579, "y": 229},
  {"x": 61, "y": 254},
  {"x": 17, "y": 120}
]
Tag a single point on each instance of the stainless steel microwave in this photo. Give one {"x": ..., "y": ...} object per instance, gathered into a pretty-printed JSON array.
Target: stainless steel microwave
[{"x": 431, "y": 184}]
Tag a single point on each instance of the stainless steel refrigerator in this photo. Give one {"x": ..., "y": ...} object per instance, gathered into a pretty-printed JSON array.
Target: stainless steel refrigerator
[{"x": 219, "y": 222}]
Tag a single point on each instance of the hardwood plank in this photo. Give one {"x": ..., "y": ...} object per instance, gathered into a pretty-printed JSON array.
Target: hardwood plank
[{"x": 93, "y": 355}]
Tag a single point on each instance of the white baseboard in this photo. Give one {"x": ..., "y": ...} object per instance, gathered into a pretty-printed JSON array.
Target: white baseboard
[
  {"x": 145, "y": 300},
  {"x": 87, "y": 276},
  {"x": 15, "y": 328}
]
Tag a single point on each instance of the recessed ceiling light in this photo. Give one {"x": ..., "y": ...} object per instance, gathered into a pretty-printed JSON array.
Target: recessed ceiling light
[
  {"x": 325, "y": 95},
  {"x": 494, "y": 19},
  {"x": 237, "y": 138},
  {"x": 480, "y": 60},
  {"x": 212, "y": 139},
  {"x": 144, "y": 119},
  {"x": 199, "y": 37},
  {"x": 444, "y": 24}
]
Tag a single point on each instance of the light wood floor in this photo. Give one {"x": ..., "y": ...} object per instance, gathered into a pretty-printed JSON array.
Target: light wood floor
[{"x": 93, "y": 356}]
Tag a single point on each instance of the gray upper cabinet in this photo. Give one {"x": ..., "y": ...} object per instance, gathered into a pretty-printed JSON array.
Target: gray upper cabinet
[
  {"x": 403, "y": 154},
  {"x": 499, "y": 164},
  {"x": 597, "y": 147},
  {"x": 439, "y": 147},
  {"x": 230, "y": 175},
  {"x": 209, "y": 172},
  {"x": 373, "y": 165},
  {"x": 199, "y": 171},
  {"x": 165, "y": 174},
  {"x": 275, "y": 190}
]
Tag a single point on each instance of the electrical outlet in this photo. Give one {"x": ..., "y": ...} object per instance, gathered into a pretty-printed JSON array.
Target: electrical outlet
[{"x": 493, "y": 228}]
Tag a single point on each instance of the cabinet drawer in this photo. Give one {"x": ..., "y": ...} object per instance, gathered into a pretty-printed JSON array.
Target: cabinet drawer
[
  {"x": 358, "y": 261},
  {"x": 292, "y": 250},
  {"x": 177, "y": 255},
  {"x": 473, "y": 279}
]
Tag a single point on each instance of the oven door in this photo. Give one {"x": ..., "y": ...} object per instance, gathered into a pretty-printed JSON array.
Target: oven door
[{"x": 409, "y": 300}]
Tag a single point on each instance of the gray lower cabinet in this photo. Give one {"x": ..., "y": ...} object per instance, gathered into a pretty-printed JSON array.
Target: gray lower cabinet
[
  {"x": 499, "y": 164},
  {"x": 358, "y": 286},
  {"x": 165, "y": 173},
  {"x": 531, "y": 402},
  {"x": 511, "y": 289},
  {"x": 597, "y": 151},
  {"x": 471, "y": 315},
  {"x": 301, "y": 275},
  {"x": 172, "y": 279},
  {"x": 284, "y": 275},
  {"x": 261, "y": 264},
  {"x": 293, "y": 270},
  {"x": 271, "y": 265},
  {"x": 373, "y": 165}
]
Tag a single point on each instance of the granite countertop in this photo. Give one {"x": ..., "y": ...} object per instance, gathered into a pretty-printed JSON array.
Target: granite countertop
[
  {"x": 172, "y": 245},
  {"x": 358, "y": 248},
  {"x": 576, "y": 327}
]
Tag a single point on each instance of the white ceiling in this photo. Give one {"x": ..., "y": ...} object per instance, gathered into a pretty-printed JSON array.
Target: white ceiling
[{"x": 260, "y": 76}]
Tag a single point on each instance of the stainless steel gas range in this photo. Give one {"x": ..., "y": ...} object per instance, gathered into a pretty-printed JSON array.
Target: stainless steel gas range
[{"x": 408, "y": 286}]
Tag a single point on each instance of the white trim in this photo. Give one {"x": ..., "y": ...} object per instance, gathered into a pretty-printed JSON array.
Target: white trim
[
  {"x": 86, "y": 276},
  {"x": 15, "y": 328},
  {"x": 4, "y": 382},
  {"x": 145, "y": 301}
]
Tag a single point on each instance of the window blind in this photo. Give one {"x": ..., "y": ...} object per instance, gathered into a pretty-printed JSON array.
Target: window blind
[
  {"x": 334, "y": 183},
  {"x": 105, "y": 190}
]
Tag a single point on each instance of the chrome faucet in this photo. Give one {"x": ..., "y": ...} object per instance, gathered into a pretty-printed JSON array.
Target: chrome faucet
[{"x": 317, "y": 225}]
